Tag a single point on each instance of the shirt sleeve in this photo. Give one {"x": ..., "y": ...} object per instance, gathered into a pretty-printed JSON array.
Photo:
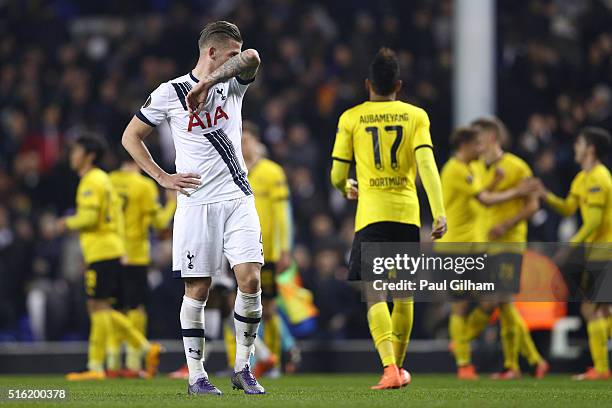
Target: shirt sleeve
[
  {"x": 89, "y": 197},
  {"x": 280, "y": 195},
  {"x": 280, "y": 190},
  {"x": 155, "y": 108},
  {"x": 239, "y": 86},
  {"x": 422, "y": 136},
  {"x": 525, "y": 171},
  {"x": 428, "y": 170},
  {"x": 160, "y": 216},
  {"x": 596, "y": 194},
  {"x": 565, "y": 206},
  {"x": 150, "y": 200},
  {"x": 343, "y": 146},
  {"x": 464, "y": 182}
]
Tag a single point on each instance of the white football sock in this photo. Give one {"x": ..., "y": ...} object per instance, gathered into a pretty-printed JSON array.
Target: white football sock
[
  {"x": 247, "y": 315},
  {"x": 192, "y": 325}
]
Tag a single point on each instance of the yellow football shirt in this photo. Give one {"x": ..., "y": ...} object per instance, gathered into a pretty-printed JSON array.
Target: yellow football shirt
[
  {"x": 460, "y": 186},
  {"x": 141, "y": 209},
  {"x": 514, "y": 170},
  {"x": 100, "y": 235},
  {"x": 269, "y": 184},
  {"x": 381, "y": 137},
  {"x": 594, "y": 188}
]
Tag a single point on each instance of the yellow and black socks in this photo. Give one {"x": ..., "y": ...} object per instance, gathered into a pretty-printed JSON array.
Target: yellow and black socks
[
  {"x": 272, "y": 336},
  {"x": 379, "y": 320},
  {"x": 510, "y": 336},
  {"x": 527, "y": 346},
  {"x": 229, "y": 337},
  {"x": 402, "y": 318},
  {"x": 133, "y": 358},
  {"x": 457, "y": 328},
  {"x": 113, "y": 348},
  {"x": 133, "y": 337},
  {"x": 597, "y": 330},
  {"x": 475, "y": 323},
  {"x": 101, "y": 329}
]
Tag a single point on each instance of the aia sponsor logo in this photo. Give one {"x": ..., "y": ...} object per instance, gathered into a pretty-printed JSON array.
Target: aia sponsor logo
[{"x": 208, "y": 117}]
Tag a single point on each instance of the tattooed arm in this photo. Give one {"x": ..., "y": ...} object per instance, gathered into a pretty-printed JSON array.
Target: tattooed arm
[{"x": 244, "y": 65}]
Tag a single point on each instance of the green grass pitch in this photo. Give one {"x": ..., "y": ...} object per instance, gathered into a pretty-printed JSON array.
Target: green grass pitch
[{"x": 431, "y": 390}]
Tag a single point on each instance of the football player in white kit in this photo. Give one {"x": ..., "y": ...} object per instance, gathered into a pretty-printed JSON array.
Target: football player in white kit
[{"x": 215, "y": 216}]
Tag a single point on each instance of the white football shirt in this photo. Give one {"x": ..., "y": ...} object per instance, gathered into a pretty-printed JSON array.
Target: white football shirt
[{"x": 208, "y": 144}]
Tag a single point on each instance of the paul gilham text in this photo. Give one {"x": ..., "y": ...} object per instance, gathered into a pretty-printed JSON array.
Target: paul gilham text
[{"x": 425, "y": 285}]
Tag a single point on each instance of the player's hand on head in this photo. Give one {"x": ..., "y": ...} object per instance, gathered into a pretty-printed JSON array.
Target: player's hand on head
[
  {"x": 439, "y": 228},
  {"x": 180, "y": 182},
  {"x": 196, "y": 98}
]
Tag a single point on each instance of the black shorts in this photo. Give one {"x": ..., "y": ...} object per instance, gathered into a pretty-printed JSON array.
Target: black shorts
[
  {"x": 593, "y": 285},
  {"x": 268, "y": 281},
  {"x": 102, "y": 280},
  {"x": 474, "y": 276},
  {"x": 504, "y": 270},
  {"x": 575, "y": 274},
  {"x": 379, "y": 232},
  {"x": 133, "y": 286}
]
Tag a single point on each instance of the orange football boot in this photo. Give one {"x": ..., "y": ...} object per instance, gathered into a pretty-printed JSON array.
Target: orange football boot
[
  {"x": 506, "y": 375},
  {"x": 405, "y": 377},
  {"x": 592, "y": 375},
  {"x": 467, "y": 372},
  {"x": 182, "y": 373},
  {"x": 152, "y": 359},
  {"x": 390, "y": 379},
  {"x": 113, "y": 373},
  {"x": 264, "y": 366},
  {"x": 86, "y": 376},
  {"x": 542, "y": 368},
  {"x": 127, "y": 373}
]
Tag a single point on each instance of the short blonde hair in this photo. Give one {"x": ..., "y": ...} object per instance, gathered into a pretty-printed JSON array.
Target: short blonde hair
[{"x": 218, "y": 30}]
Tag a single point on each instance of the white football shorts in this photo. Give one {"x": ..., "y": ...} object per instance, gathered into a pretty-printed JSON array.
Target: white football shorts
[{"x": 204, "y": 234}]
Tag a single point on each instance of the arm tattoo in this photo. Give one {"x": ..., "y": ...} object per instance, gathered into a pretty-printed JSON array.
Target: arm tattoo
[{"x": 234, "y": 66}]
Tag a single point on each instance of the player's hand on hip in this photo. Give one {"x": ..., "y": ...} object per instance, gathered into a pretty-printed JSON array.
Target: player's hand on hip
[
  {"x": 180, "y": 181},
  {"x": 439, "y": 228},
  {"x": 196, "y": 98}
]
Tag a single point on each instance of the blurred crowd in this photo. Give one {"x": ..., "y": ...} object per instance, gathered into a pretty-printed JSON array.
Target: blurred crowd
[{"x": 72, "y": 67}]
